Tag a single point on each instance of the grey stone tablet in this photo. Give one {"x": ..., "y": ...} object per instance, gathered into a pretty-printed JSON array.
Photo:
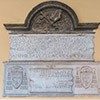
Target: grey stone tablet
[
  {"x": 51, "y": 54},
  {"x": 51, "y": 78},
  {"x": 52, "y": 47}
]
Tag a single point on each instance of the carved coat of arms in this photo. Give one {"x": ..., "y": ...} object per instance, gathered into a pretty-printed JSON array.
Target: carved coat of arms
[
  {"x": 16, "y": 76},
  {"x": 86, "y": 76}
]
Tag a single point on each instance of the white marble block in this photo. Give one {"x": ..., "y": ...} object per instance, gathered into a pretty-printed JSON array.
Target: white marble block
[
  {"x": 51, "y": 78},
  {"x": 51, "y": 47}
]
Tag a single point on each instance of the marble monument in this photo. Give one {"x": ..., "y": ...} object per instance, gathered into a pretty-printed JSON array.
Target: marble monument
[{"x": 51, "y": 54}]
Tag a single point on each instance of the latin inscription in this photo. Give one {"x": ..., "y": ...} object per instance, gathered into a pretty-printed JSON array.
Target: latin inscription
[
  {"x": 51, "y": 80},
  {"x": 44, "y": 51},
  {"x": 51, "y": 47},
  {"x": 37, "y": 78}
]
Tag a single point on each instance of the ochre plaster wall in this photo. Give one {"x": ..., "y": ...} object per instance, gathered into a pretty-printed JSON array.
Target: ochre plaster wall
[{"x": 15, "y": 11}]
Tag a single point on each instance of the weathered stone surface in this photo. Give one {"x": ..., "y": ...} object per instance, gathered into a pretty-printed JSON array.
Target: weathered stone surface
[
  {"x": 52, "y": 16},
  {"x": 40, "y": 50},
  {"x": 52, "y": 19},
  {"x": 52, "y": 47},
  {"x": 51, "y": 78}
]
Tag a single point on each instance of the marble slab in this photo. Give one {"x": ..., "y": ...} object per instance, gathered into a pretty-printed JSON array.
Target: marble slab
[
  {"x": 51, "y": 78},
  {"x": 52, "y": 46}
]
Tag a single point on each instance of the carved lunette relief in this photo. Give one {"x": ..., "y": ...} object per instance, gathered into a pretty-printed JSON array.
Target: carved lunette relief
[{"x": 52, "y": 16}]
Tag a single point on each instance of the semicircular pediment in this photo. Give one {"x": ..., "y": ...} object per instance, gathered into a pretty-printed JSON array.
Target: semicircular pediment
[{"x": 52, "y": 16}]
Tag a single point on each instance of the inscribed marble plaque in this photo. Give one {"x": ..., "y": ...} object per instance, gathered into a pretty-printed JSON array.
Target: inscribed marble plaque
[
  {"x": 52, "y": 47},
  {"x": 51, "y": 78}
]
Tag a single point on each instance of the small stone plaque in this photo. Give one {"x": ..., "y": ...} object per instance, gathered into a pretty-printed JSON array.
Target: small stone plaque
[{"x": 51, "y": 80}]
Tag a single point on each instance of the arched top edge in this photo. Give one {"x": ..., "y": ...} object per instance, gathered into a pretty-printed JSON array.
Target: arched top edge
[{"x": 49, "y": 4}]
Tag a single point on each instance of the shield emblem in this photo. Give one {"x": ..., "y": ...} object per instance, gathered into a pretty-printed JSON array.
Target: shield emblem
[
  {"x": 86, "y": 76},
  {"x": 16, "y": 76}
]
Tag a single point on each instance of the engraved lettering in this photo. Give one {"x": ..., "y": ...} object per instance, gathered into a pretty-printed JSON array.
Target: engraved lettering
[{"x": 51, "y": 80}]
